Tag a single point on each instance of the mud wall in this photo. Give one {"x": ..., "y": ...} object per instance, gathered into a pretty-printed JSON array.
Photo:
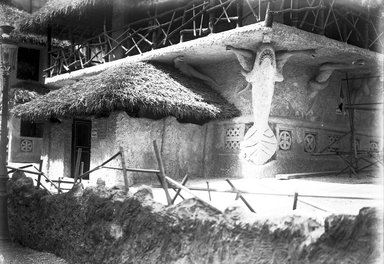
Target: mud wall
[
  {"x": 98, "y": 225},
  {"x": 181, "y": 145}
]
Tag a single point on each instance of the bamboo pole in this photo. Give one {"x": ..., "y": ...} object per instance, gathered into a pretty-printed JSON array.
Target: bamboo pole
[
  {"x": 77, "y": 164},
  {"x": 183, "y": 182},
  {"x": 162, "y": 172},
  {"x": 39, "y": 176},
  {"x": 209, "y": 191},
  {"x": 241, "y": 196},
  {"x": 295, "y": 201},
  {"x": 191, "y": 193},
  {"x": 122, "y": 156},
  {"x": 280, "y": 194},
  {"x": 98, "y": 167},
  {"x": 133, "y": 169},
  {"x": 239, "y": 13},
  {"x": 22, "y": 167}
]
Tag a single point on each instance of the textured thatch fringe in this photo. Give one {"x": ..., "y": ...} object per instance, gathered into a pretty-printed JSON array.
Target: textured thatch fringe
[
  {"x": 155, "y": 89},
  {"x": 59, "y": 8},
  {"x": 10, "y": 15}
]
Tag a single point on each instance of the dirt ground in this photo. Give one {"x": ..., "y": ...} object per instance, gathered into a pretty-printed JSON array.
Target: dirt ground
[{"x": 364, "y": 186}]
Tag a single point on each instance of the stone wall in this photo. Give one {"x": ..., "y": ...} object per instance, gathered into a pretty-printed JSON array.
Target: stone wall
[{"x": 99, "y": 225}]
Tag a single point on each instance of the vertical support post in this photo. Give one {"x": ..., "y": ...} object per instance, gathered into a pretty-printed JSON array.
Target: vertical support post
[
  {"x": 154, "y": 32},
  {"x": 162, "y": 172},
  {"x": 351, "y": 112},
  {"x": 269, "y": 14},
  {"x": 122, "y": 156},
  {"x": 81, "y": 168},
  {"x": 320, "y": 22},
  {"x": 77, "y": 164},
  {"x": 39, "y": 176},
  {"x": 294, "y": 15},
  {"x": 295, "y": 196},
  {"x": 239, "y": 11},
  {"x": 49, "y": 47},
  {"x": 209, "y": 191},
  {"x": 58, "y": 186},
  {"x": 182, "y": 22},
  {"x": 4, "y": 232},
  {"x": 211, "y": 20},
  {"x": 366, "y": 33}
]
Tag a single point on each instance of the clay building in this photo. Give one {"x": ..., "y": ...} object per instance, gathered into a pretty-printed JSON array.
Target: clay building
[{"x": 235, "y": 88}]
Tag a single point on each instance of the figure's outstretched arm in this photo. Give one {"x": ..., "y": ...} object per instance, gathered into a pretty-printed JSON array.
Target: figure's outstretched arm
[
  {"x": 188, "y": 70},
  {"x": 245, "y": 57},
  {"x": 283, "y": 56}
]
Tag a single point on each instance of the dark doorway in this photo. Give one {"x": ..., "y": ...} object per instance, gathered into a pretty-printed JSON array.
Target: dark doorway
[{"x": 81, "y": 138}]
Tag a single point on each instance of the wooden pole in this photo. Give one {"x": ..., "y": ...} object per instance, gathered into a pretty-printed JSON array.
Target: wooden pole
[
  {"x": 191, "y": 193},
  {"x": 49, "y": 48},
  {"x": 39, "y": 176},
  {"x": 81, "y": 168},
  {"x": 352, "y": 128},
  {"x": 211, "y": 20},
  {"x": 241, "y": 196},
  {"x": 183, "y": 182},
  {"x": 77, "y": 164},
  {"x": 122, "y": 156},
  {"x": 98, "y": 167},
  {"x": 162, "y": 172},
  {"x": 209, "y": 191},
  {"x": 239, "y": 11},
  {"x": 295, "y": 201},
  {"x": 269, "y": 15}
]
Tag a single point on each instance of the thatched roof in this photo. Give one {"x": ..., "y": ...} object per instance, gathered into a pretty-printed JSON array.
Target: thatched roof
[
  {"x": 157, "y": 90},
  {"x": 86, "y": 14},
  {"x": 26, "y": 91},
  {"x": 10, "y": 15}
]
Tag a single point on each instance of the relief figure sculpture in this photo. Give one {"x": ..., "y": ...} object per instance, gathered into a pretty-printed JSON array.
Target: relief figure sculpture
[{"x": 261, "y": 70}]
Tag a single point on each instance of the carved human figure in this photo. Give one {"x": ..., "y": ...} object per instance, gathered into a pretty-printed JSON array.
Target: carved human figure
[
  {"x": 261, "y": 71},
  {"x": 321, "y": 80},
  {"x": 188, "y": 70}
]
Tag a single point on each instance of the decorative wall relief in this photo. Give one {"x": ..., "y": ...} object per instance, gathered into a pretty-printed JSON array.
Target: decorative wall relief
[
  {"x": 310, "y": 142},
  {"x": 233, "y": 136},
  {"x": 285, "y": 139},
  {"x": 373, "y": 146},
  {"x": 26, "y": 145},
  {"x": 335, "y": 141},
  {"x": 261, "y": 71}
]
